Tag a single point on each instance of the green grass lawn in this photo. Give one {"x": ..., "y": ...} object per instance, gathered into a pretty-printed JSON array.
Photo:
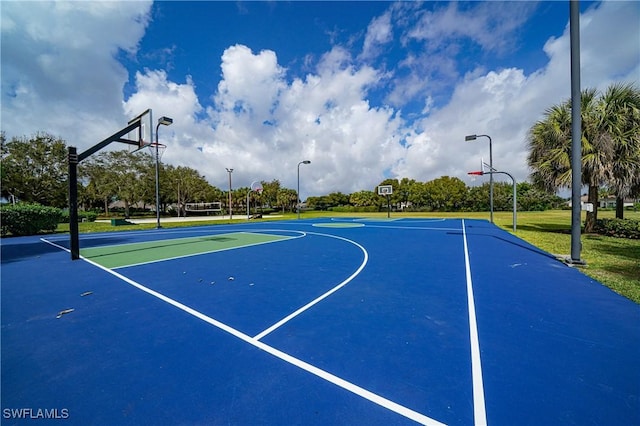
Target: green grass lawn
[{"x": 613, "y": 261}]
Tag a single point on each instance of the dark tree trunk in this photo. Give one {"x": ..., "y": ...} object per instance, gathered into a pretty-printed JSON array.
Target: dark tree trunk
[
  {"x": 590, "y": 223},
  {"x": 619, "y": 208}
]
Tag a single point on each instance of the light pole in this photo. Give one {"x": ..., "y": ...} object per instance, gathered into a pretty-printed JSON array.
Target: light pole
[
  {"x": 165, "y": 121},
  {"x": 473, "y": 138},
  {"x": 230, "y": 207},
  {"x": 298, "y": 191}
]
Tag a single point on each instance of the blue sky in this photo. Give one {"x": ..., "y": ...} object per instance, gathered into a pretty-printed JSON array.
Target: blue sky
[{"x": 365, "y": 90}]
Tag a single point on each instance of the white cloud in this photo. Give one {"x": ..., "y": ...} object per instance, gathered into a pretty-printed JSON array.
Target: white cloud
[
  {"x": 324, "y": 118},
  {"x": 59, "y": 67},
  {"x": 489, "y": 25},
  {"x": 177, "y": 101},
  {"x": 379, "y": 33},
  {"x": 488, "y": 104},
  {"x": 610, "y": 43},
  {"x": 249, "y": 81}
]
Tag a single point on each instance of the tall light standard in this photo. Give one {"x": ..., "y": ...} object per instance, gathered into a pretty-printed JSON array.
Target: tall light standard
[
  {"x": 230, "y": 207},
  {"x": 473, "y": 138},
  {"x": 298, "y": 192},
  {"x": 165, "y": 121}
]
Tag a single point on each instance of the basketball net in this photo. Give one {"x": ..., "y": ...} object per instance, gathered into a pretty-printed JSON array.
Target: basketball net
[{"x": 160, "y": 150}]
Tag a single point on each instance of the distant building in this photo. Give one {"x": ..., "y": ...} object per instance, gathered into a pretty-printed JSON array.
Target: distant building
[
  {"x": 605, "y": 203},
  {"x": 610, "y": 203}
]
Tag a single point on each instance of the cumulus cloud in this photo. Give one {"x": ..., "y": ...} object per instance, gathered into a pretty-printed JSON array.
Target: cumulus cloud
[
  {"x": 60, "y": 71},
  {"x": 177, "y": 101},
  {"x": 264, "y": 125}
]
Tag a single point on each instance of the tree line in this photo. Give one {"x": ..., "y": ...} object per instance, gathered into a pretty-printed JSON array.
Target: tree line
[
  {"x": 444, "y": 194},
  {"x": 35, "y": 170}
]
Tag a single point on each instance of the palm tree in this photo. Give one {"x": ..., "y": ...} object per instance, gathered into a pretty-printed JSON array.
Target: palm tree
[
  {"x": 610, "y": 148},
  {"x": 550, "y": 151},
  {"x": 621, "y": 121}
]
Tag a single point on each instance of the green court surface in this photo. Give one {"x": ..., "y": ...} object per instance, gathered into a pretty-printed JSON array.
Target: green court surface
[{"x": 121, "y": 255}]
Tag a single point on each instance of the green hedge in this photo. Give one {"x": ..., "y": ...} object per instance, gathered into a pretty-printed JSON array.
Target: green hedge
[
  {"x": 621, "y": 228},
  {"x": 28, "y": 219}
]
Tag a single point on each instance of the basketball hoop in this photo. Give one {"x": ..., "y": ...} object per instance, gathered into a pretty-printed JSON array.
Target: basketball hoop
[
  {"x": 256, "y": 187},
  {"x": 156, "y": 148},
  {"x": 474, "y": 175}
]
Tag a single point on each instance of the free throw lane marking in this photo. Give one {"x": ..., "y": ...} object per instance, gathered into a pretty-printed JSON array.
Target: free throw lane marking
[
  {"x": 479, "y": 410},
  {"x": 134, "y": 254}
]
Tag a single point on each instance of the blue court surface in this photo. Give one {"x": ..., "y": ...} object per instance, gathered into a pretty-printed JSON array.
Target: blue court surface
[{"x": 313, "y": 322}]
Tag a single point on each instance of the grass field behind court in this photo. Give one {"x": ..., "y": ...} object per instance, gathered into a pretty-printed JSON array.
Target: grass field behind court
[{"x": 613, "y": 261}]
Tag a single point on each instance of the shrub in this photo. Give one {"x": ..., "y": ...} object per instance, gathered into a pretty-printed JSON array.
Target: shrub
[
  {"x": 28, "y": 219},
  {"x": 621, "y": 228}
]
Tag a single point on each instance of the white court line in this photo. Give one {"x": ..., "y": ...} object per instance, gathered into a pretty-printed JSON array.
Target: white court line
[
  {"x": 479, "y": 410},
  {"x": 325, "y": 295},
  {"x": 368, "y": 395}
]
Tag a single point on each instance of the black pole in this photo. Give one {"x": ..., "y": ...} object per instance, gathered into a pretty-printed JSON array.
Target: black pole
[
  {"x": 388, "y": 207},
  {"x": 73, "y": 203},
  {"x": 576, "y": 131}
]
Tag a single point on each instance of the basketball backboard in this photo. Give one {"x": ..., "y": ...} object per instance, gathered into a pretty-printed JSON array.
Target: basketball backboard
[
  {"x": 143, "y": 134},
  {"x": 385, "y": 190}
]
